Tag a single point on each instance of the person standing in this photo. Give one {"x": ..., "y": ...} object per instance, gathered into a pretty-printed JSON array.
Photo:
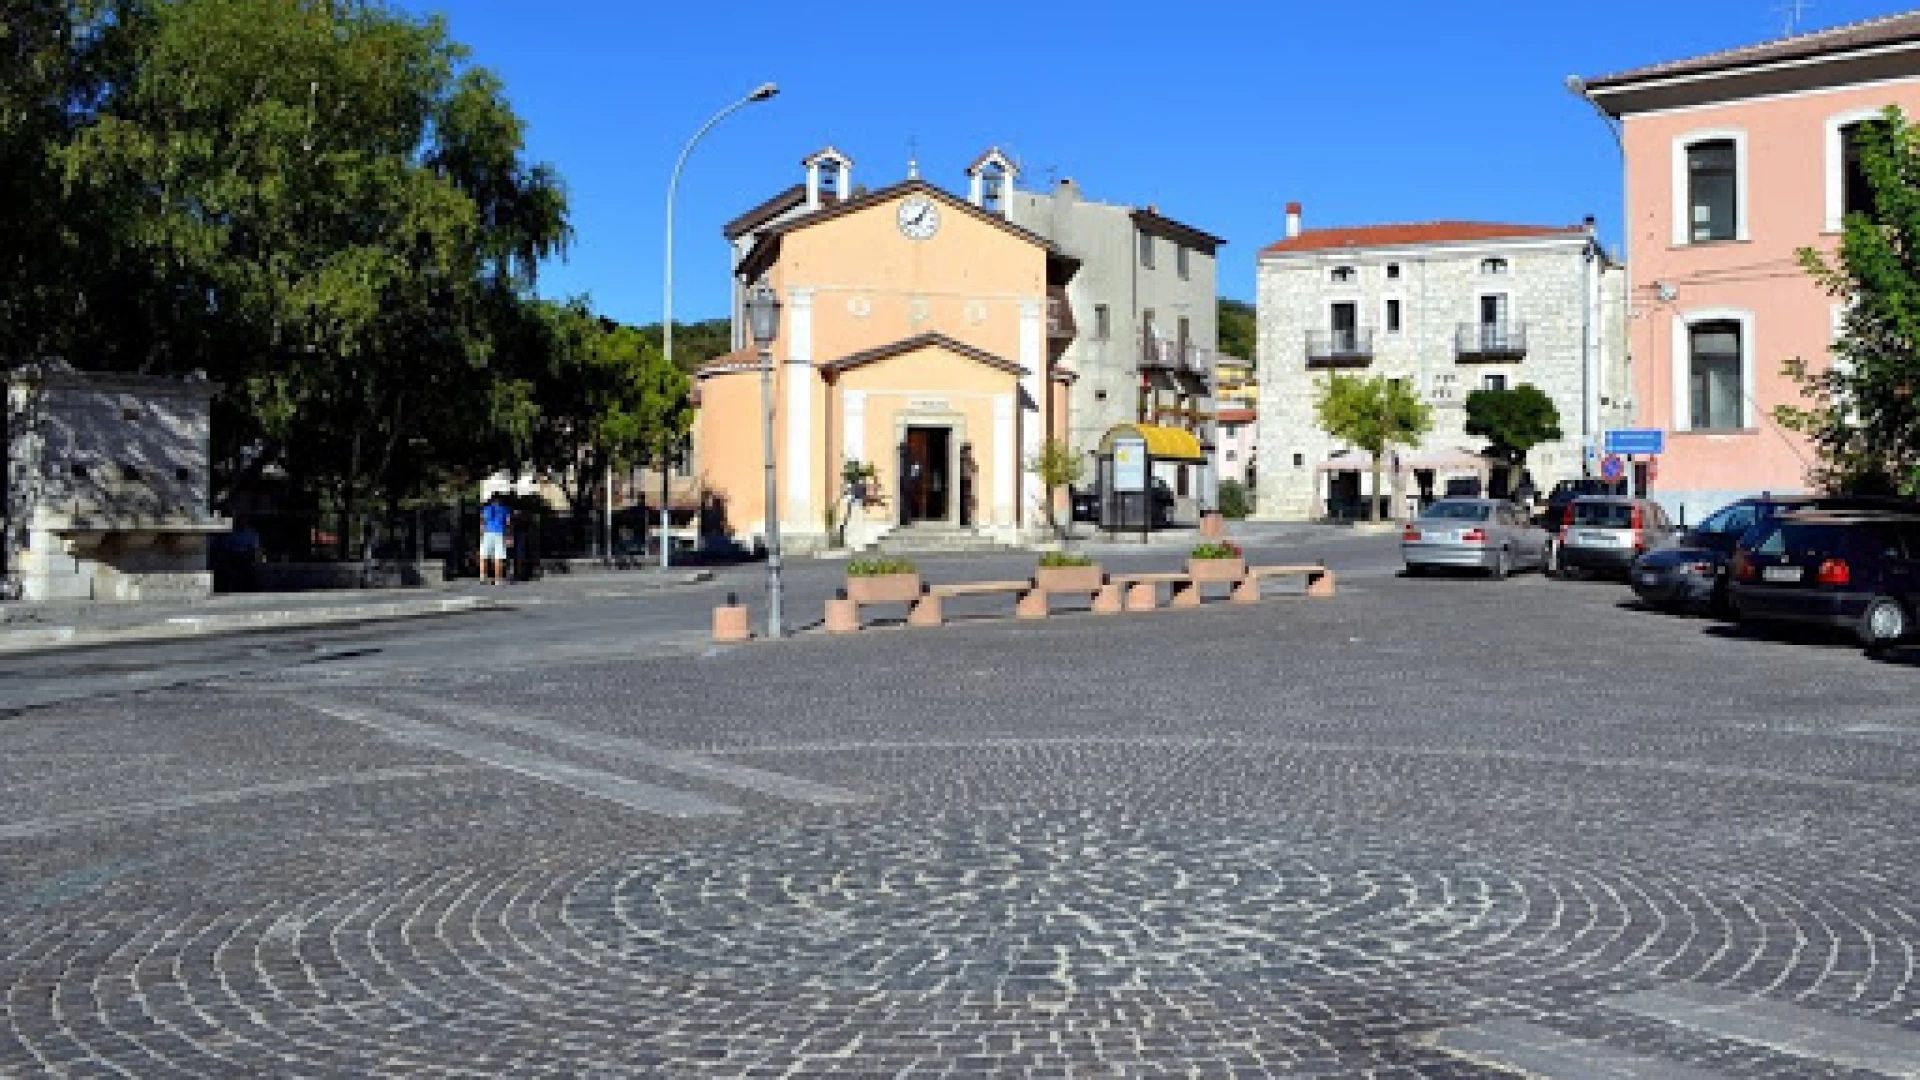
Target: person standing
[{"x": 496, "y": 522}]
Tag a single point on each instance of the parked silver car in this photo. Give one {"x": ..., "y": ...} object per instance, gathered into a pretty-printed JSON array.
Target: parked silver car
[
  {"x": 1607, "y": 535},
  {"x": 1480, "y": 534}
]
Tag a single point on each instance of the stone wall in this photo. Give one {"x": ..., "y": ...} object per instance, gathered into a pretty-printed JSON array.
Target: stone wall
[{"x": 1438, "y": 288}]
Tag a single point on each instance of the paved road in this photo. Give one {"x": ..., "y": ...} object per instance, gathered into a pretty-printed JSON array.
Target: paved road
[{"x": 1431, "y": 828}]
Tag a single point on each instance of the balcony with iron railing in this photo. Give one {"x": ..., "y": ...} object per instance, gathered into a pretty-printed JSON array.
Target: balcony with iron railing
[
  {"x": 1350, "y": 347},
  {"x": 1489, "y": 343},
  {"x": 1165, "y": 354}
]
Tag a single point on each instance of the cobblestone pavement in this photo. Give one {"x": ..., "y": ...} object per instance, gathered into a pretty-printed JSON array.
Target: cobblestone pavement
[{"x": 1431, "y": 828}]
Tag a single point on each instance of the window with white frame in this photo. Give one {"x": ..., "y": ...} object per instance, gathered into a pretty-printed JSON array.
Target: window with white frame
[
  {"x": 1848, "y": 190},
  {"x": 1180, "y": 261},
  {"x": 1714, "y": 377},
  {"x": 1342, "y": 275},
  {"x": 1497, "y": 383},
  {"x": 1146, "y": 250},
  {"x": 1710, "y": 187},
  {"x": 1392, "y": 319},
  {"x": 1393, "y": 271},
  {"x": 1493, "y": 267}
]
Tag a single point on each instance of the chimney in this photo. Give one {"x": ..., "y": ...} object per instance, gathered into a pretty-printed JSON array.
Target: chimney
[
  {"x": 1293, "y": 220},
  {"x": 1588, "y": 222}
]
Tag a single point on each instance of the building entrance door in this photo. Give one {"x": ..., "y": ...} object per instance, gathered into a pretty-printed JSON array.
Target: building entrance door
[{"x": 926, "y": 480}]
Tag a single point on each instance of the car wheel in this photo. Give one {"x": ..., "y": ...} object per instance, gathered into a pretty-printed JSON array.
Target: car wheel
[
  {"x": 1883, "y": 623},
  {"x": 1502, "y": 565}
]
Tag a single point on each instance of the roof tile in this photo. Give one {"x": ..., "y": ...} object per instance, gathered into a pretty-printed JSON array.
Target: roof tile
[{"x": 1413, "y": 235}]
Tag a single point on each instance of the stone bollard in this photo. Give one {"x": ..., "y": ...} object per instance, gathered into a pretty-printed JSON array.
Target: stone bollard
[
  {"x": 1323, "y": 586},
  {"x": 843, "y": 615},
  {"x": 730, "y": 621},
  {"x": 1108, "y": 600},
  {"x": 1212, "y": 526}
]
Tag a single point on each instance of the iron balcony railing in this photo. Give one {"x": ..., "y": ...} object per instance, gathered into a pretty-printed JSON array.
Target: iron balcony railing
[
  {"x": 1165, "y": 354},
  {"x": 1477, "y": 342},
  {"x": 1341, "y": 348}
]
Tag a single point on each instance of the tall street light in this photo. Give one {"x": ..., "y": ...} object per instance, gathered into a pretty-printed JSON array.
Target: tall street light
[
  {"x": 763, "y": 316},
  {"x": 759, "y": 93}
]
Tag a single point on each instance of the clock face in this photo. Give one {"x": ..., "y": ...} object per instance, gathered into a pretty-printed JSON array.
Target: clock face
[{"x": 919, "y": 218}]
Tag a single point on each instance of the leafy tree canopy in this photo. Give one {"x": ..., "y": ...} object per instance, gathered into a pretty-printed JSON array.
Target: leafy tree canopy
[
  {"x": 1372, "y": 414},
  {"x": 1513, "y": 421},
  {"x": 1239, "y": 330},
  {"x": 1862, "y": 411}
]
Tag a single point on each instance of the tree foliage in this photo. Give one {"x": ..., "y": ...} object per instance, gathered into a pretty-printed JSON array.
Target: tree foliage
[
  {"x": 1056, "y": 466},
  {"x": 1862, "y": 411},
  {"x": 1372, "y": 414},
  {"x": 1239, "y": 330},
  {"x": 1513, "y": 421}
]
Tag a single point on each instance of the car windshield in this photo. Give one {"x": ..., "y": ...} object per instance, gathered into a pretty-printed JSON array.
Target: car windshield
[
  {"x": 1734, "y": 519},
  {"x": 1456, "y": 511},
  {"x": 1603, "y": 515}
]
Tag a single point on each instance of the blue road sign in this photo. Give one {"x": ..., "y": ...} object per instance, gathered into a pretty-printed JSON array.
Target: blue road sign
[
  {"x": 1637, "y": 441},
  {"x": 1611, "y": 467}
]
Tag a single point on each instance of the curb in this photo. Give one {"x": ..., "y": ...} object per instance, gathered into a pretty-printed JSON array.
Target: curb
[{"x": 31, "y": 639}]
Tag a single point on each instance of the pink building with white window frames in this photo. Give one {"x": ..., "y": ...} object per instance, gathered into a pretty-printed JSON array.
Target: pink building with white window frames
[{"x": 1735, "y": 161}]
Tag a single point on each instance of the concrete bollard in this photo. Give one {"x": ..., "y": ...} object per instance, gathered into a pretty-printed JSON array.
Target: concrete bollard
[
  {"x": 843, "y": 615},
  {"x": 730, "y": 621},
  {"x": 1212, "y": 526},
  {"x": 1322, "y": 587},
  {"x": 1107, "y": 601},
  {"x": 1033, "y": 604}
]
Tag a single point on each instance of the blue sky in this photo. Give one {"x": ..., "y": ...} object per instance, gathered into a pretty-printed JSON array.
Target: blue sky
[{"x": 1218, "y": 113}]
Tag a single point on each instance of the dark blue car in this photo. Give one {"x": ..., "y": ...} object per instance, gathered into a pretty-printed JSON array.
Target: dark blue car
[
  {"x": 1691, "y": 576},
  {"x": 1853, "y": 570}
]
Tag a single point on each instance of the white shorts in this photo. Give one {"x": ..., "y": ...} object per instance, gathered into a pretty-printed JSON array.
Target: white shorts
[{"x": 493, "y": 546}]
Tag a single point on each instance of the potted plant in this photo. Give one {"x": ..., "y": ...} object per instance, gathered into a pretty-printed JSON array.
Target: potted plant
[
  {"x": 882, "y": 581},
  {"x": 1216, "y": 562},
  {"x": 1064, "y": 571}
]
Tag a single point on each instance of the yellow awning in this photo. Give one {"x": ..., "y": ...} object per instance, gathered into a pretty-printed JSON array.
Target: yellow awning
[{"x": 1164, "y": 443}]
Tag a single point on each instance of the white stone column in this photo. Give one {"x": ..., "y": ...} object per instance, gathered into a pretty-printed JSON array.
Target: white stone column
[
  {"x": 1006, "y": 462},
  {"x": 1033, "y": 422},
  {"x": 798, "y": 515}
]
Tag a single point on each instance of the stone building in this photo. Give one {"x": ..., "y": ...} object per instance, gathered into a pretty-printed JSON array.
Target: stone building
[
  {"x": 1144, "y": 315},
  {"x": 1448, "y": 308},
  {"x": 107, "y": 486}
]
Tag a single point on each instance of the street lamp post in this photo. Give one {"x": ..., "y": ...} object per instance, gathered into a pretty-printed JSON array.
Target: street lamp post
[
  {"x": 759, "y": 93},
  {"x": 763, "y": 314}
]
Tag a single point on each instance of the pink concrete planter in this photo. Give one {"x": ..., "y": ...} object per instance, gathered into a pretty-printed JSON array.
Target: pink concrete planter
[
  {"x": 884, "y": 589},
  {"x": 1217, "y": 571},
  {"x": 1069, "y": 579}
]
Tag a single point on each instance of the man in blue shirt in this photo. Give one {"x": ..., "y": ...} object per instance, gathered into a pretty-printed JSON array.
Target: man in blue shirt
[{"x": 496, "y": 524}]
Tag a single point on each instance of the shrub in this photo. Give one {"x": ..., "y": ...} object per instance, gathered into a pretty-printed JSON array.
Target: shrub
[
  {"x": 1064, "y": 558},
  {"x": 1216, "y": 549},
  {"x": 875, "y": 567},
  {"x": 1235, "y": 502}
]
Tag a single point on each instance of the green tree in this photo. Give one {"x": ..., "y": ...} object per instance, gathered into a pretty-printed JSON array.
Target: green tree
[
  {"x": 1862, "y": 411},
  {"x": 1056, "y": 466},
  {"x": 1372, "y": 414},
  {"x": 1513, "y": 422},
  {"x": 324, "y": 207},
  {"x": 1239, "y": 330}
]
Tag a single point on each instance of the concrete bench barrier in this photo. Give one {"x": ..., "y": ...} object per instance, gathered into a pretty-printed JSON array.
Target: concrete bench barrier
[
  {"x": 1320, "y": 581},
  {"x": 929, "y": 609},
  {"x": 1117, "y": 593}
]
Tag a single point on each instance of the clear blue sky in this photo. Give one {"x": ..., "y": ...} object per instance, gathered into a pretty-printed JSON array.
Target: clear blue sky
[{"x": 1218, "y": 112}]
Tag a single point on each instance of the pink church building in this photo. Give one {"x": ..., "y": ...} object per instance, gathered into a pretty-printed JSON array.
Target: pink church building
[{"x": 1735, "y": 161}]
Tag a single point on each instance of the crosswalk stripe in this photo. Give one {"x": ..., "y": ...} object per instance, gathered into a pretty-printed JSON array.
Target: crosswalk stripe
[
  {"x": 646, "y": 798},
  {"x": 1542, "y": 1053},
  {"x": 1775, "y": 1025},
  {"x": 745, "y": 777}
]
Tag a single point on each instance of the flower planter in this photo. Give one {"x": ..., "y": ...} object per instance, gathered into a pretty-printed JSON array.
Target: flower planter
[
  {"x": 1069, "y": 579},
  {"x": 1216, "y": 571},
  {"x": 884, "y": 589}
]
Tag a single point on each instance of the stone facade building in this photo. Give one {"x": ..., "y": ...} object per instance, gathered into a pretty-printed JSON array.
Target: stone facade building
[
  {"x": 108, "y": 486},
  {"x": 1448, "y": 308}
]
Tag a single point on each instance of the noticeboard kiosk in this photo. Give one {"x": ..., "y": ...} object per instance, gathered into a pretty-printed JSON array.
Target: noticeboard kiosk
[{"x": 1130, "y": 498}]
